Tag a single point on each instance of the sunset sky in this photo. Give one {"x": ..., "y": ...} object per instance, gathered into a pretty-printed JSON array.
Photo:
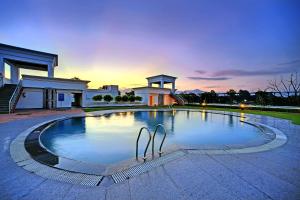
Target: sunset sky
[{"x": 206, "y": 44}]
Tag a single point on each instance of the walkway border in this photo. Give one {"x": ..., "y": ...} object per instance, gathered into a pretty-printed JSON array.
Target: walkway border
[{"x": 25, "y": 160}]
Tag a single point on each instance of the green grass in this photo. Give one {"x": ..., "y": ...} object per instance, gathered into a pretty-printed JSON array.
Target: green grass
[{"x": 294, "y": 117}]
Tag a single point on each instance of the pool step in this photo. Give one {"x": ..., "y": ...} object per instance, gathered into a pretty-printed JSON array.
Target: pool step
[{"x": 147, "y": 166}]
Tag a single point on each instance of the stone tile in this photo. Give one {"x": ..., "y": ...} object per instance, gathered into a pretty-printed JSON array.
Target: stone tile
[
  {"x": 20, "y": 186},
  {"x": 85, "y": 193},
  {"x": 271, "y": 185},
  {"x": 49, "y": 189},
  {"x": 119, "y": 191},
  {"x": 228, "y": 179},
  {"x": 195, "y": 182}
]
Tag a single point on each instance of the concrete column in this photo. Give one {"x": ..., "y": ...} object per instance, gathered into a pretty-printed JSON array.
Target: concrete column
[
  {"x": 161, "y": 84},
  {"x": 14, "y": 74},
  {"x": 173, "y": 86},
  {"x": 149, "y": 84},
  {"x": 2, "y": 72},
  {"x": 50, "y": 70}
]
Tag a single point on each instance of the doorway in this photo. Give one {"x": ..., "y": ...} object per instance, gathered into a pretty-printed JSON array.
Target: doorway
[{"x": 76, "y": 100}]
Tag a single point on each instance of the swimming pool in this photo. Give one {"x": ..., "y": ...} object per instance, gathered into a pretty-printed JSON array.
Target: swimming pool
[{"x": 111, "y": 138}]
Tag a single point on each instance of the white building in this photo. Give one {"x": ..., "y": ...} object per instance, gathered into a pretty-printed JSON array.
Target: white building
[
  {"x": 157, "y": 96},
  {"x": 27, "y": 91}
]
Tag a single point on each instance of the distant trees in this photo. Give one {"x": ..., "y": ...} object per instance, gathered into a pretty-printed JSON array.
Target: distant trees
[
  {"x": 131, "y": 98},
  {"x": 118, "y": 98},
  {"x": 232, "y": 94},
  {"x": 287, "y": 88},
  {"x": 125, "y": 98},
  {"x": 244, "y": 95},
  {"x": 108, "y": 98},
  {"x": 209, "y": 97},
  {"x": 97, "y": 98},
  {"x": 138, "y": 98}
]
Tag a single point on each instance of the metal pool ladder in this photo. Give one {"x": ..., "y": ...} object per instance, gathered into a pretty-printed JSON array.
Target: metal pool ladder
[
  {"x": 163, "y": 140},
  {"x": 137, "y": 143},
  {"x": 149, "y": 140}
]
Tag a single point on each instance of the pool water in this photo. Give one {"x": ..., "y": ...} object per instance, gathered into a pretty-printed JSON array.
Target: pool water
[{"x": 111, "y": 138}]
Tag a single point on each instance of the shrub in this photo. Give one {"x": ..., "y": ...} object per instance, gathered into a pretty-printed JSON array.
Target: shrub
[
  {"x": 97, "y": 98},
  {"x": 131, "y": 98},
  {"x": 125, "y": 98},
  {"x": 118, "y": 98},
  {"x": 107, "y": 98},
  {"x": 138, "y": 98}
]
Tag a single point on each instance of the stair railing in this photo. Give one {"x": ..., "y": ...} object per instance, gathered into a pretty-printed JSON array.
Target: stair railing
[{"x": 14, "y": 97}]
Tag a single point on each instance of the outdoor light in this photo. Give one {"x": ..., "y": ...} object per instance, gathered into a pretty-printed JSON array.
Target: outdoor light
[
  {"x": 242, "y": 106},
  {"x": 203, "y": 104}
]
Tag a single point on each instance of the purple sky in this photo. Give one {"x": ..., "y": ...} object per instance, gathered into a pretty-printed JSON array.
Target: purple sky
[{"x": 206, "y": 44}]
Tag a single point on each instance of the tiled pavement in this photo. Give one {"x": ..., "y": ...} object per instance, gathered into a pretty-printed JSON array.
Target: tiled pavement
[{"x": 273, "y": 174}]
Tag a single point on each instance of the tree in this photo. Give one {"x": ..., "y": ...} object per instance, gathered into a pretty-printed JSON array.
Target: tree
[
  {"x": 108, "y": 98},
  {"x": 138, "y": 98},
  {"x": 118, "y": 98},
  {"x": 231, "y": 93},
  {"x": 244, "y": 95},
  {"x": 213, "y": 96},
  {"x": 131, "y": 98},
  {"x": 124, "y": 98},
  {"x": 97, "y": 98},
  {"x": 287, "y": 88},
  {"x": 261, "y": 97},
  {"x": 131, "y": 93}
]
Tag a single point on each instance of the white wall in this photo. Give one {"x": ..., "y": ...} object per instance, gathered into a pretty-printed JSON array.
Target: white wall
[
  {"x": 145, "y": 93},
  {"x": 42, "y": 82},
  {"x": 30, "y": 98},
  {"x": 89, "y": 94},
  {"x": 67, "y": 103}
]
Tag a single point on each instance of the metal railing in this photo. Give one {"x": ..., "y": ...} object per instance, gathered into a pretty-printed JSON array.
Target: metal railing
[
  {"x": 137, "y": 143},
  {"x": 14, "y": 96},
  {"x": 163, "y": 140},
  {"x": 149, "y": 140}
]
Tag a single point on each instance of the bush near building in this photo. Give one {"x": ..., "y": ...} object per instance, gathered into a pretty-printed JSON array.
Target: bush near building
[
  {"x": 108, "y": 98},
  {"x": 124, "y": 98},
  {"x": 97, "y": 98},
  {"x": 118, "y": 98}
]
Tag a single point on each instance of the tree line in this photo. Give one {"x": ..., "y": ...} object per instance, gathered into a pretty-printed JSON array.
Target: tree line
[
  {"x": 119, "y": 98},
  {"x": 283, "y": 92}
]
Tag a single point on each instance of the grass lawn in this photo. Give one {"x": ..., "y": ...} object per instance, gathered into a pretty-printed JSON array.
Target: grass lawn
[{"x": 294, "y": 117}]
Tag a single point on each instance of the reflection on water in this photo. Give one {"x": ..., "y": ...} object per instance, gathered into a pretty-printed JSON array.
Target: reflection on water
[{"x": 111, "y": 138}]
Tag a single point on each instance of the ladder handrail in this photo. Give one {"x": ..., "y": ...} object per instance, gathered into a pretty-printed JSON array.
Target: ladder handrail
[
  {"x": 137, "y": 143},
  {"x": 162, "y": 142}
]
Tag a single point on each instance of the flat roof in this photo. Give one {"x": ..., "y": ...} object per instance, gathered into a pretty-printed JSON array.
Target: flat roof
[
  {"x": 59, "y": 79},
  {"x": 30, "y": 51},
  {"x": 161, "y": 75},
  {"x": 146, "y": 87}
]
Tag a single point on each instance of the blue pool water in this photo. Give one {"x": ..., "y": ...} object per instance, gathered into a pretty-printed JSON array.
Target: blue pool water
[{"x": 111, "y": 138}]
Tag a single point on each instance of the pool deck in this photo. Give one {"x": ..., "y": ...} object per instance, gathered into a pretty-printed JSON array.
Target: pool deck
[{"x": 273, "y": 174}]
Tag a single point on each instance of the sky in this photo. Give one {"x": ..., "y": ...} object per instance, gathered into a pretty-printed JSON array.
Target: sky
[{"x": 207, "y": 44}]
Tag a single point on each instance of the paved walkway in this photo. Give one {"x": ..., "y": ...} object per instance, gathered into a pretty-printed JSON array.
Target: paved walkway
[{"x": 273, "y": 174}]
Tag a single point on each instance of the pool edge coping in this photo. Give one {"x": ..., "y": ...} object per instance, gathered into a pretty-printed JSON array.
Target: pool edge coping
[{"x": 23, "y": 159}]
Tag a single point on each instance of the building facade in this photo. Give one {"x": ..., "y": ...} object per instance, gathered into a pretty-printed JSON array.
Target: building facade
[
  {"x": 28, "y": 92},
  {"x": 159, "y": 96}
]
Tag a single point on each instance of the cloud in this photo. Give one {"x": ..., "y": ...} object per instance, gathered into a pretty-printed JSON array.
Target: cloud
[
  {"x": 209, "y": 78},
  {"x": 238, "y": 72},
  {"x": 212, "y": 86},
  {"x": 290, "y": 62},
  {"x": 200, "y": 71},
  {"x": 286, "y": 67}
]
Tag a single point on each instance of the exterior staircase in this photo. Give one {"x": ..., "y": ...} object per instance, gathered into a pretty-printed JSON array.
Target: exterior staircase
[
  {"x": 6, "y": 93},
  {"x": 179, "y": 99}
]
